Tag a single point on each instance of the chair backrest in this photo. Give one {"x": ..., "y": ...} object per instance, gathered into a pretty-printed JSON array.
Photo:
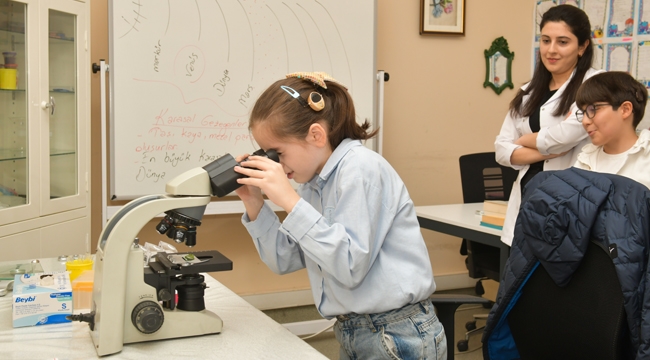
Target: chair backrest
[
  {"x": 482, "y": 178},
  {"x": 583, "y": 320}
]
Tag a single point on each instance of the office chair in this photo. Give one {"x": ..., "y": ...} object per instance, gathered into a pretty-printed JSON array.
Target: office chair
[
  {"x": 583, "y": 320},
  {"x": 446, "y": 305},
  {"x": 482, "y": 178}
]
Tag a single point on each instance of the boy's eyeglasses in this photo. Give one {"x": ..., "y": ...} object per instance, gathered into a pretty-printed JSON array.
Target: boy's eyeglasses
[{"x": 590, "y": 111}]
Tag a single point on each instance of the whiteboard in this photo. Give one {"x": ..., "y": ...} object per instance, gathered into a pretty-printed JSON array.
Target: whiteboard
[{"x": 184, "y": 75}]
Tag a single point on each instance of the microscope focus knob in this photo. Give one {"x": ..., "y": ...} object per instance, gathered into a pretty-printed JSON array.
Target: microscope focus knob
[
  {"x": 164, "y": 295},
  {"x": 147, "y": 317}
]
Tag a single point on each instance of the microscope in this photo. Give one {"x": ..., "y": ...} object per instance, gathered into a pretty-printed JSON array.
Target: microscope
[{"x": 134, "y": 302}]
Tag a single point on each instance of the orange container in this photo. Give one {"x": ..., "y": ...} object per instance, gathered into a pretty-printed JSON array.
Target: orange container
[{"x": 82, "y": 290}]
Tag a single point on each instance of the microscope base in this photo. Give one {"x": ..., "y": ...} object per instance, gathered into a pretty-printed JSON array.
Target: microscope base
[
  {"x": 142, "y": 316},
  {"x": 178, "y": 324}
]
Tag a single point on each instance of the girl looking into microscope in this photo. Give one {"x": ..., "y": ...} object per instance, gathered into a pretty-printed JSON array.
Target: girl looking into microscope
[{"x": 351, "y": 223}]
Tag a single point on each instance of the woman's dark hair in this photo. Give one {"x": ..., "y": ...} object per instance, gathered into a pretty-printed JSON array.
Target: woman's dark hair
[
  {"x": 614, "y": 88},
  {"x": 578, "y": 21},
  {"x": 288, "y": 118}
]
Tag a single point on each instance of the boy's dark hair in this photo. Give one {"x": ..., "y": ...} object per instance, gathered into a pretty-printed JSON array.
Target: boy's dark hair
[
  {"x": 287, "y": 118},
  {"x": 614, "y": 88},
  {"x": 578, "y": 21}
]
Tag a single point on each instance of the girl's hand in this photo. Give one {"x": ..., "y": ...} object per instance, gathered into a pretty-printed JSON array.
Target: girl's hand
[
  {"x": 251, "y": 196},
  {"x": 269, "y": 176}
]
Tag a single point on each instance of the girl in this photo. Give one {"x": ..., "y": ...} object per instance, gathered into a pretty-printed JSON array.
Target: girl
[
  {"x": 540, "y": 132},
  {"x": 351, "y": 223}
]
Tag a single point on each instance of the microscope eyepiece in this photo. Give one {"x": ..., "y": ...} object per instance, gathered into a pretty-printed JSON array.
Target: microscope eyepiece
[
  {"x": 180, "y": 224},
  {"x": 223, "y": 178}
]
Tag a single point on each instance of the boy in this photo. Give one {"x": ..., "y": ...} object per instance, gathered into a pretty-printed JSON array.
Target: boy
[{"x": 611, "y": 105}]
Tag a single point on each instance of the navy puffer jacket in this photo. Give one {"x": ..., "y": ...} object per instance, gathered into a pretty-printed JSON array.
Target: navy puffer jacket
[{"x": 560, "y": 213}]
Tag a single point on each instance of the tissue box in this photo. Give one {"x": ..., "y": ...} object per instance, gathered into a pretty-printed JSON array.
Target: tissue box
[{"x": 41, "y": 299}]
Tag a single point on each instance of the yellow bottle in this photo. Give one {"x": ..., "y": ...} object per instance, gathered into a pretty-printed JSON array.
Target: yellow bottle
[{"x": 8, "y": 79}]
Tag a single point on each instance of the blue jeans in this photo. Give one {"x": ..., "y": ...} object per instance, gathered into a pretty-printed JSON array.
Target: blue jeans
[{"x": 412, "y": 332}]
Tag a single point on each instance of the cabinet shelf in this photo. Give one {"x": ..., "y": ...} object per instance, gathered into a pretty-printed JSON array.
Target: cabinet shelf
[
  {"x": 62, "y": 152},
  {"x": 17, "y": 155},
  {"x": 55, "y": 90},
  {"x": 13, "y": 28},
  {"x": 62, "y": 90},
  {"x": 9, "y": 36},
  {"x": 19, "y": 36},
  {"x": 9, "y": 201},
  {"x": 59, "y": 40},
  {"x": 9, "y": 155}
]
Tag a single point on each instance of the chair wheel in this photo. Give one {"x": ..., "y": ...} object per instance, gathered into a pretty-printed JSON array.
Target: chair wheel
[
  {"x": 478, "y": 288},
  {"x": 470, "y": 325},
  {"x": 462, "y": 345}
]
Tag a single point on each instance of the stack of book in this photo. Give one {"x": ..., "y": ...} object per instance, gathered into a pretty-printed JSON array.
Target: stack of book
[{"x": 494, "y": 213}]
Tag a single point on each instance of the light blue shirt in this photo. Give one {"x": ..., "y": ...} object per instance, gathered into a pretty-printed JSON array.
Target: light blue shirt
[{"x": 356, "y": 232}]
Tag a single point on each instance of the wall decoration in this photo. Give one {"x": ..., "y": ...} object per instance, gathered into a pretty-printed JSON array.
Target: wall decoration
[
  {"x": 619, "y": 30},
  {"x": 642, "y": 72},
  {"x": 498, "y": 65},
  {"x": 619, "y": 33},
  {"x": 619, "y": 57},
  {"x": 442, "y": 17},
  {"x": 541, "y": 6},
  {"x": 621, "y": 18}
]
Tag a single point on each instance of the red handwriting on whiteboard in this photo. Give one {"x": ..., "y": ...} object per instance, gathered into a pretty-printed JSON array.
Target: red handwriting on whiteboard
[
  {"x": 242, "y": 137},
  {"x": 222, "y": 135},
  {"x": 163, "y": 119},
  {"x": 190, "y": 135},
  {"x": 236, "y": 124},
  {"x": 158, "y": 132},
  {"x": 153, "y": 147}
]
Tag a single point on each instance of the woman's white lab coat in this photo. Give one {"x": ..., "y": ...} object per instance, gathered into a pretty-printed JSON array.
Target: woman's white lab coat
[{"x": 557, "y": 134}]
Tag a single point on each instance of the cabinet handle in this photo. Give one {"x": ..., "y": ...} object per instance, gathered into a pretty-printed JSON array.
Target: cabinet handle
[{"x": 51, "y": 104}]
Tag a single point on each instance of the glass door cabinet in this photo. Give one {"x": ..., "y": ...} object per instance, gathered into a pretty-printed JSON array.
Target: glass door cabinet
[{"x": 44, "y": 126}]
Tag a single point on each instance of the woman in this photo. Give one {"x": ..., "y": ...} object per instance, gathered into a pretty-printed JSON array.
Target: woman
[{"x": 540, "y": 132}]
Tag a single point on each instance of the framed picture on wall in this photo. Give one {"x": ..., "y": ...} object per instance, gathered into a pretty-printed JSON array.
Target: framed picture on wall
[{"x": 442, "y": 17}]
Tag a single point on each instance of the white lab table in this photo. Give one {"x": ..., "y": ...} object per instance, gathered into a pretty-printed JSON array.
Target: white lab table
[
  {"x": 463, "y": 220},
  {"x": 247, "y": 334}
]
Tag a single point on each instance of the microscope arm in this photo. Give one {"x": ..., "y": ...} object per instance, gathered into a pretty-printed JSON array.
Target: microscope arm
[{"x": 194, "y": 182}]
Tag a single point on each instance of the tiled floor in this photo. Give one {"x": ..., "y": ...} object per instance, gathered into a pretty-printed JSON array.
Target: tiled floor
[{"x": 328, "y": 346}]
